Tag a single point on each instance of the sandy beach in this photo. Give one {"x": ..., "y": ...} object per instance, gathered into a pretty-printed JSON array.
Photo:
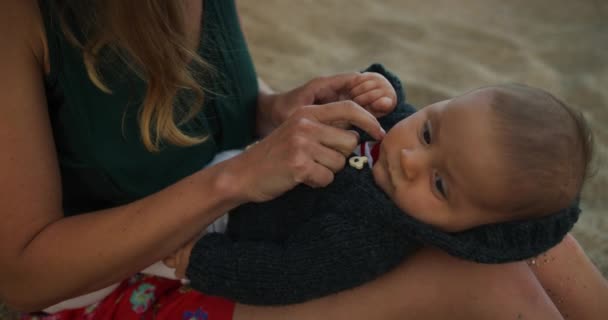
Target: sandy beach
[{"x": 442, "y": 48}]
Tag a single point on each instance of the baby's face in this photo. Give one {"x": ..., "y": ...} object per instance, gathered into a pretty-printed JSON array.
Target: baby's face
[{"x": 440, "y": 165}]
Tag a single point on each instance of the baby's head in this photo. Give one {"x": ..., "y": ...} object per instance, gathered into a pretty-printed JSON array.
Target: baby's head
[{"x": 494, "y": 154}]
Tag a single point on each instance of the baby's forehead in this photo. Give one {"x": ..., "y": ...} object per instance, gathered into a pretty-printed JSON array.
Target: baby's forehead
[
  {"x": 504, "y": 94},
  {"x": 470, "y": 150},
  {"x": 492, "y": 91},
  {"x": 472, "y": 101}
]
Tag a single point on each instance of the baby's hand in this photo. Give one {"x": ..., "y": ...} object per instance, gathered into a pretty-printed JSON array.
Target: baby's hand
[
  {"x": 370, "y": 90},
  {"x": 374, "y": 92}
]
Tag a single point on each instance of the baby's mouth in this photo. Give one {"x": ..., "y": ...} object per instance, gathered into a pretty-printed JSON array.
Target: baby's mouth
[
  {"x": 376, "y": 151},
  {"x": 381, "y": 168}
]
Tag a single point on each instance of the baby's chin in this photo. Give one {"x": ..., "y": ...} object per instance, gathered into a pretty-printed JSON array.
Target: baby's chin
[{"x": 381, "y": 179}]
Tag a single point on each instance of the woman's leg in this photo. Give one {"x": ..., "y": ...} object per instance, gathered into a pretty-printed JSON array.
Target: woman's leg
[
  {"x": 429, "y": 285},
  {"x": 574, "y": 284}
]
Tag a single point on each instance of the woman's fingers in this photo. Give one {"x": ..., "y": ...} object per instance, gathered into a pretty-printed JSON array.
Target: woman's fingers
[
  {"x": 317, "y": 176},
  {"x": 331, "y": 153},
  {"x": 329, "y": 146},
  {"x": 349, "y": 112},
  {"x": 307, "y": 148},
  {"x": 338, "y": 82},
  {"x": 341, "y": 141}
]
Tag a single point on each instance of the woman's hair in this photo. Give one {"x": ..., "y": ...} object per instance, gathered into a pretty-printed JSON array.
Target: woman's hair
[{"x": 149, "y": 36}]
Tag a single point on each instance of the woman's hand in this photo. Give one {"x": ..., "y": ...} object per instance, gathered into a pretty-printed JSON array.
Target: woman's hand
[
  {"x": 179, "y": 259},
  {"x": 307, "y": 148},
  {"x": 370, "y": 90}
]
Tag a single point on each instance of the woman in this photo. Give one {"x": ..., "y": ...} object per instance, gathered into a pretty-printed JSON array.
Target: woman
[{"x": 101, "y": 123}]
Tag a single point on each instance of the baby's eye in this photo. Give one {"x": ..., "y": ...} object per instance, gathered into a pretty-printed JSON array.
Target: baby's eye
[
  {"x": 439, "y": 184},
  {"x": 426, "y": 132}
]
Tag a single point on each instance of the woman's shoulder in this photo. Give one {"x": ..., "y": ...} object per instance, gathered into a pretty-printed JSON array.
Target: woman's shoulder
[{"x": 22, "y": 28}]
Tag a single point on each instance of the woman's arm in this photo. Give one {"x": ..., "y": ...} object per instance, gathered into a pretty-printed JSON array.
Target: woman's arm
[
  {"x": 574, "y": 284},
  {"x": 264, "y": 119},
  {"x": 57, "y": 257}
]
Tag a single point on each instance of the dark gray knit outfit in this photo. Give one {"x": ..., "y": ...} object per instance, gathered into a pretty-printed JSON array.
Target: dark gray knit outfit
[{"x": 312, "y": 242}]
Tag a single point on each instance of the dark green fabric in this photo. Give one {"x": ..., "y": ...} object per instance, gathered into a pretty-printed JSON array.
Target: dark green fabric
[{"x": 103, "y": 162}]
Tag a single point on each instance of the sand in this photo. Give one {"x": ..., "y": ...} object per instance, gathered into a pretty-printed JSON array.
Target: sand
[{"x": 441, "y": 48}]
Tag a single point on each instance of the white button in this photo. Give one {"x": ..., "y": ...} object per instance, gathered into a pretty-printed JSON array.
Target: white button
[{"x": 357, "y": 162}]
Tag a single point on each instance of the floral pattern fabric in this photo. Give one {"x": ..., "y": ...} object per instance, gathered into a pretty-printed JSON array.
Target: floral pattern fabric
[{"x": 147, "y": 297}]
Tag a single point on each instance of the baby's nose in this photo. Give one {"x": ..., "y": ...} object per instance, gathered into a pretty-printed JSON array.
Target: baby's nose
[{"x": 414, "y": 162}]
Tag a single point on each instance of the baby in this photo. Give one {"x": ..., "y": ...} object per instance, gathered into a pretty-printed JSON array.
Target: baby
[{"x": 490, "y": 176}]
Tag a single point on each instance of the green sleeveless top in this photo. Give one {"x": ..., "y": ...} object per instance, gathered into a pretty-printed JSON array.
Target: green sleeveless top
[{"x": 102, "y": 160}]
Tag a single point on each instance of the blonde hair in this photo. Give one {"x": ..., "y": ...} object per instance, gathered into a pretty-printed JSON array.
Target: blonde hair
[{"x": 150, "y": 37}]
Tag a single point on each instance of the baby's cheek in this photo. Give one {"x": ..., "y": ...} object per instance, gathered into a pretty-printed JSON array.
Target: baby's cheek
[
  {"x": 381, "y": 179},
  {"x": 417, "y": 204}
]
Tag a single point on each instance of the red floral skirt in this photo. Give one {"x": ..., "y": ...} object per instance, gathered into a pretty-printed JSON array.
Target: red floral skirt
[{"x": 149, "y": 297}]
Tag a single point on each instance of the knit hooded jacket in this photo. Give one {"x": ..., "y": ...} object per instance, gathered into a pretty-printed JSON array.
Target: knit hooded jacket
[{"x": 310, "y": 242}]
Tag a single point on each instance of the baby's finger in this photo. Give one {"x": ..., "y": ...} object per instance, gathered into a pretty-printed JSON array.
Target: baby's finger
[
  {"x": 364, "y": 87},
  {"x": 372, "y": 96},
  {"x": 382, "y": 106}
]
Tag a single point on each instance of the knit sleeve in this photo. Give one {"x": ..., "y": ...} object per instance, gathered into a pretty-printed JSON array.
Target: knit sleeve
[
  {"x": 274, "y": 220},
  {"x": 326, "y": 255}
]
